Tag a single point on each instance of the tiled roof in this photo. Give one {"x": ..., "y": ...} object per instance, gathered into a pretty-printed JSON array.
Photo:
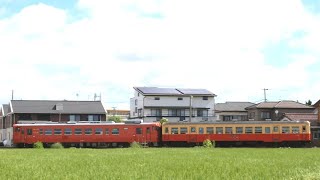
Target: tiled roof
[
  {"x": 281, "y": 104},
  {"x": 68, "y": 107},
  {"x": 301, "y": 116},
  {"x": 5, "y": 109},
  {"x": 232, "y": 106},
  {"x": 173, "y": 91}
]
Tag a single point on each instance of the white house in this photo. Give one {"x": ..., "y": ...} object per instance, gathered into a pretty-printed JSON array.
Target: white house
[{"x": 153, "y": 103}]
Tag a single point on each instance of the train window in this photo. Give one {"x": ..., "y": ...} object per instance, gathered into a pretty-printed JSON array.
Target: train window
[
  {"x": 219, "y": 130},
  {"x": 303, "y": 128},
  {"x": 201, "y": 130},
  {"x": 138, "y": 130},
  {"x": 258, "y": 130},
  {"x": 228, "y": 130},
  {"x": 29, "y": 131},
  {"x": 248, "y": 130},
  {"x": 210, "y": 130},
  {"x": 57, "y": 131},
  {"x": 67, "y": 131},
  {"x": 174, "y": 130},
  {"x": 295, "y": 129},
  {"x": 88, "y": 131},
  {"x": 107, "y": 131},
  {"x": 48, "y": 132},
  {"x": 98, "y": 131},
  {"x": 40, "y": 131},
  {"x": 78, "y": 131},
  {"x": 148, "y": 130},
  {"x": 275, "y": 129},
  {"x": 183, "y": 130},
  {"x": 166, "y": 130},
  {"x": 267, "y": 130},
  {"x": 115, "y": 131},
  {"x": 285, "y": 129},
  {"x": 17, "y": 129},
  {"x": 239, "y": 130},
  {"x": 193, "y": 129}
]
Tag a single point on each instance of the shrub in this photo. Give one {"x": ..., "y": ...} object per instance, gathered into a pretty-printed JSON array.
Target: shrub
[
  {"x": 135, "y": 144},
  {"x": 163, "y": 120},
  {"x": 38, "y": 145},
  {"x": 57, "y": 146},
  {"x": 208, "y": 144}
]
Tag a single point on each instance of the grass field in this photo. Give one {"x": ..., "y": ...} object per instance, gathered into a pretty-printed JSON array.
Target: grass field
[{"x": 160, "y": 163}]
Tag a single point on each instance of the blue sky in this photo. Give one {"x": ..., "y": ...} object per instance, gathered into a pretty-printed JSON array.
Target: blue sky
[{"x": 74, "y": 49}]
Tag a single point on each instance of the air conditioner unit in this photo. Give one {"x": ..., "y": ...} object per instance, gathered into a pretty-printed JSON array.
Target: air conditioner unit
[{"x": 268, "y": 119}]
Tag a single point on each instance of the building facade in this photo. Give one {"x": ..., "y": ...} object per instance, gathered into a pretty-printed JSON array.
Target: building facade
[
  {"x": 152, "y": 104},
  {"x": 232, "y": 111}
]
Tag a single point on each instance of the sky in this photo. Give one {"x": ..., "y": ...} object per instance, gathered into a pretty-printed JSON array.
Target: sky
[{"x": 72, "y": 50}]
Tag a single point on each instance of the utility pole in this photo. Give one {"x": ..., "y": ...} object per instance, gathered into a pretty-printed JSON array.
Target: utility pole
[
  {"x": 265, "y": 96},
  {"x": 190, "y": 109}
]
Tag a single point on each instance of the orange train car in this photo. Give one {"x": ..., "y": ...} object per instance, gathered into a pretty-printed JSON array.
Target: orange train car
[
  {"x": 238, "y": 133},
  {"x": 87, "y": 134}
]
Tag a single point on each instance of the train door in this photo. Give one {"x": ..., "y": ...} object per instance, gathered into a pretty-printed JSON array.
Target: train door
[
  {"x": 148, "y": 134},
  {"x": 276, "y": 133},
  {"x": 139, "y": 136},
  {"x": 193, "y": 134},
  {"x": 30, "y": 135}
]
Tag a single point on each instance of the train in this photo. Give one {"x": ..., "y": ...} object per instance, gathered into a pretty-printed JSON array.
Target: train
[{"x": 246, "y": 133}]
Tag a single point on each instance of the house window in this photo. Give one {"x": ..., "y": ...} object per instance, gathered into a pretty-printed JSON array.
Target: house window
[
  {"x": 25, "y": 117},
  {"x": 316, "y": 135},
  {"x": 74, "y": 117},
  {"x": 155, "y": 112},
  {"x": 138, "y": 94},
  {"x": 136, "y": 102},
  {"x": 139, "y": 112},
  {"x": 265, "y": 115},
  {"x": 202, "y": 113},
  {"x": 157, "y": 98},
  {"x": 205, "y": 98},
  {"x": 43, "y": 117},
  {"x": 94, "y": 117},
  {"x": 180, "y": 98},
  {"x": 176, "y": 112},
  {"x": 136, "y": 110}
]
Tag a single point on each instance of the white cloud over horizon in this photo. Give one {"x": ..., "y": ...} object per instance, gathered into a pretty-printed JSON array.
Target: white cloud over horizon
[{"x": 217, "y": 45}]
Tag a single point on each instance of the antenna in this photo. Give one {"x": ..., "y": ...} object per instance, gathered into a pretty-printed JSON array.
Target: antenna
[
  {"x": 96, "y": 96},
  {"x": 12, "y": 95},
  {"x": 265, "y": 96}
]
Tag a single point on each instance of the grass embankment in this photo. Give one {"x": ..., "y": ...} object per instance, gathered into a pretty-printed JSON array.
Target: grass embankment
[{"x": 160, "y": 163}]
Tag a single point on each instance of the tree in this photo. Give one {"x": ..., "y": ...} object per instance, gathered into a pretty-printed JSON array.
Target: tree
[
  {"x": 309, "y": 102},
  {"x": 163, "y": 120},
  {"x": 116, "y": 119}
]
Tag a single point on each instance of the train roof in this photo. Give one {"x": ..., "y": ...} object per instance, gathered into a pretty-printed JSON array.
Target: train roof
[
  {"x": 84, "y": 124},
  {"x": 240, "y": 122}
]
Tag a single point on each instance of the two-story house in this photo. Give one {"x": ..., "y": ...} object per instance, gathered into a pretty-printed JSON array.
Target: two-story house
[
  {"x": 232, "y": 111},
  {"x": 274, "y": 111},
  {"x": 153, "y": 103}
]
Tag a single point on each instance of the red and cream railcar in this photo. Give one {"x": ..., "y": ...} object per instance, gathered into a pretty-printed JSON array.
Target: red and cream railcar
[
  {"x": 237, "y": 133},
  {"x": 87, "y": 134}
]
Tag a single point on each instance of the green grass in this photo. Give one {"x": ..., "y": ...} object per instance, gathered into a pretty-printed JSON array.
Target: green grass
[{"x": 160, "y": 163}]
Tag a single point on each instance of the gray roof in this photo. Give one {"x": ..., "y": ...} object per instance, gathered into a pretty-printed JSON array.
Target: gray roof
[
  {"x": 5, "y": 109},
  {"x": 232, "y": 106},
  {"x": 68, "y": 107},
  {"x": 281, "y": 104},
  {"x": 173, "y": 91}
]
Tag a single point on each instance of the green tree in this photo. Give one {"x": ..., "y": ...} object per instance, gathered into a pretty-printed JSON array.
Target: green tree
[
  {"x": 309, "y": 102},
  {"x": 116, "y": 119},
  {"x": 163, "y": 120}
]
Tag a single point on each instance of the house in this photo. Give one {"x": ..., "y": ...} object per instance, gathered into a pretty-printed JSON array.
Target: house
[
  {"x": 124, "y": 114},
  {"x": 316, "y": 128},
  {"x": 273, "y": 111},
  {"x": 153, "y": 103},
  {"x": 34, "y": 111},
  {"x": 3, "y": 111},
  {"x": 232, "y": 111}
]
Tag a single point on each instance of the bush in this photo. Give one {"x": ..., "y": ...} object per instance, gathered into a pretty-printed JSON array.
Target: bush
[
  {"x": 38, "y": 145},
  {"x": 163, "y": 120},
  {"x": 57, "y": 146},
  {"x": 116, "y": 119},
  {"x": 135, "y": 144},
  {"x": 208, "y": 144}
]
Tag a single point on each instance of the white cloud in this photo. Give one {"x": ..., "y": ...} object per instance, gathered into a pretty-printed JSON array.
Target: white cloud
[{"x": 196, "y": 44}]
